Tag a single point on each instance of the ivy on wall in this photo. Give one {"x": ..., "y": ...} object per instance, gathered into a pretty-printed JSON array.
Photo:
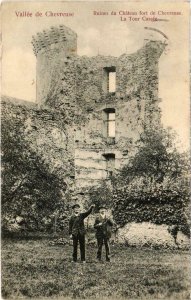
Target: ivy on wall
[{"x": 154, "y": 186}]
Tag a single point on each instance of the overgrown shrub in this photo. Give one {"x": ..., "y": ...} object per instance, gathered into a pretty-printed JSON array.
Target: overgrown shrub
[
  {"x": 32, "y": 193},
  {"x": 101, "y": 195},
  {"x": 139, "y": 201},
  {"x": 154, "y": 186}
]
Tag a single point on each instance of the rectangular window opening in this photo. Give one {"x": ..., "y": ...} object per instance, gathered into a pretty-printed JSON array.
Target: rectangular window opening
[
  {"x": 109, "y": 79},
  {"x": 112, "y": 82},
  {"x": 110, "y": 163},
  {"x": 111, "y": 124}
]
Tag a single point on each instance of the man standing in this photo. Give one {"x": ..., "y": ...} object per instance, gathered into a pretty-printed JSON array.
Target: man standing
[
  {"x": 103, "y": 226},
  {"x": 77, "y": 230}
]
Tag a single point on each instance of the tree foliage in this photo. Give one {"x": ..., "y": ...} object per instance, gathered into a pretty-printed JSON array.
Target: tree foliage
[
  {"x": 101, "y": 195},
  {"x": 154, "y": 186},
  {"x": 157, "y": 157},
  {"x": 30, "y": 190}
]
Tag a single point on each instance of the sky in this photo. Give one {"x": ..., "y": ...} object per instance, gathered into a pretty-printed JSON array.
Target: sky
[{"x": 107, "y": 34}]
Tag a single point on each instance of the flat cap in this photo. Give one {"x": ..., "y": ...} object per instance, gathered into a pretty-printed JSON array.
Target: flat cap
[
  {"x": 102, "y": 207},
  {"x": 75, "y": 205}
]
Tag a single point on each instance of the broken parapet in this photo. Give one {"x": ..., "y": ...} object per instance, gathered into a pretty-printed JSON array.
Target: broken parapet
[
  {"x": 61, "y": 36},
  {"x": 53, "y": 48},
  {"x": 63, "y": 78}
]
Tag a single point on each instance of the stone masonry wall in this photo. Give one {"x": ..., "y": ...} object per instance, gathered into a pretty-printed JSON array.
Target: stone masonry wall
[
  {"x": 73, "y": 88},
  {"x": 135, "y": 102},
  {"x": 53, "y": 49},
  {"x": 47, "y": 134}
]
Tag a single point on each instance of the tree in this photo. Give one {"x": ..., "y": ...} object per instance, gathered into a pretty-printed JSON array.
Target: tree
[
  {"x": 101, "y": 195},
  {"x": 154, "y": 186},
  {"x": 29, "y": 189},
  {"x": 157, "y": 157}
]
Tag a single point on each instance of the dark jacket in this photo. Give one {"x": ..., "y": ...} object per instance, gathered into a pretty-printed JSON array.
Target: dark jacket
[
  {"x": 103, "y": 230},
  {"x": 76, "y": 223}
]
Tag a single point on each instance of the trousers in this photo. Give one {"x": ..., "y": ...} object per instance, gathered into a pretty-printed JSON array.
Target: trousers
[
  {"x": 81, "y": 239},
  {"x": 100, "y": 241}
]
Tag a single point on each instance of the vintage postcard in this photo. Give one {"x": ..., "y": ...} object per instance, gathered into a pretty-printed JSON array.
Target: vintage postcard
[{"x": 95, "y": 150}]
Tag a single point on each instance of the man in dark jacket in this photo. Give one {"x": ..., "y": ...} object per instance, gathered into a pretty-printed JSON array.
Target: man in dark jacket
[
  {"x": 77, "y": 230},
  {"x": 103, "y": 226}
]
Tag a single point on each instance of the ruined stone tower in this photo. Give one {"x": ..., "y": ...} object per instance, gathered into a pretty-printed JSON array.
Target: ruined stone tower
[
  {"x": 107, "y": 101},
  {"x": 53, "y": 49}
]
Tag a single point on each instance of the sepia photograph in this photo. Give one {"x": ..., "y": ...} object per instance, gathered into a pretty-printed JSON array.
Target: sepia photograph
[{"x": 95, "y": 163}]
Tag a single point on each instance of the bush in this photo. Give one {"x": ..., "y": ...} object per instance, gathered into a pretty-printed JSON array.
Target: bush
[
  {"x": 160, "y": 204},
  {"x": 31, "y": 191},
  {"x": 154, "y": 186}
]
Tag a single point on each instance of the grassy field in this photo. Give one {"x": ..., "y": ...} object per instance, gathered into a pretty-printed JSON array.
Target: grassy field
[{"x": 33, "y": 268}]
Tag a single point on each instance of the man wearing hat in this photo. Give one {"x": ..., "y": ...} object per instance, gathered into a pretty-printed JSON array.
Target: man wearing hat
[
  {"x": 103, "y": 226},
  {"x": 77, "y": 230}
]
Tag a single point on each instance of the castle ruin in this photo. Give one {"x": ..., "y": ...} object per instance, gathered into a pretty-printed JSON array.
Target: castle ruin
[
  {"x": 108, "y": 100},
  {"x": 90, "y": 111}
]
